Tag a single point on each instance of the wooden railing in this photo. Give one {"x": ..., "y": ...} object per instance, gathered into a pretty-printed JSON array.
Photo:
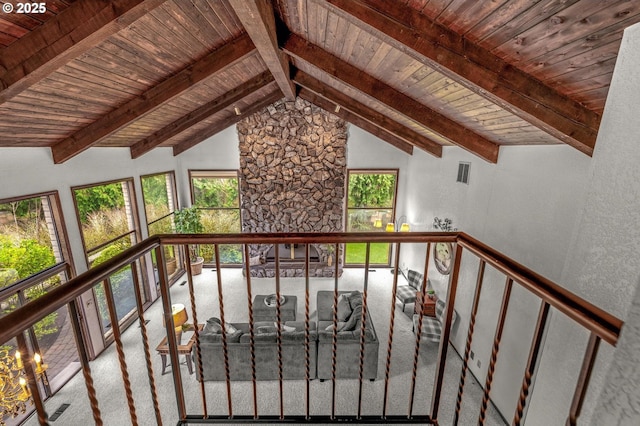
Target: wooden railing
[{"x": 601, "y": 326}]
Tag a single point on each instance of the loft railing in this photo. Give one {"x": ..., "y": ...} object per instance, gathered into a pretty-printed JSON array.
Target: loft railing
[{"x": 600, "y": 325}]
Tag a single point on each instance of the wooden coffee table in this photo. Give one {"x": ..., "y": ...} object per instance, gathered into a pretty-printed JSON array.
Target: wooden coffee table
[
  {"x": 262, "y": 312},
  {"x": 163, "y": 350}
]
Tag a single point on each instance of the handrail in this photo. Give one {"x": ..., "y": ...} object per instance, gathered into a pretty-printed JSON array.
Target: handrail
[
  {"x": 588, "y": 315},
  {"x": 601, "y": 325},
  {"x": 605, "y": 325}
]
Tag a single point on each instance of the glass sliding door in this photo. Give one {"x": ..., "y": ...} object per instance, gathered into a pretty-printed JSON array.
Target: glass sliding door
[
  {"x": 371, "y": 200},
  {"x": 109, "y": 225},
  {"x": 160, "y": 201},
  {"x": 216, "y": 194}
]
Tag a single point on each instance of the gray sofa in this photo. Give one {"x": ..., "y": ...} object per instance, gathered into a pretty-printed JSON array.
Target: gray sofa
[
  {"x": 266, "y": 352},
  {"x": 348, "y": 343}
]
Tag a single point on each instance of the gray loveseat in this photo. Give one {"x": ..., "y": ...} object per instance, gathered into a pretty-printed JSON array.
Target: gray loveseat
[
  {"x": 348, "y": 342},
  {"x": 266, "y": 352}
]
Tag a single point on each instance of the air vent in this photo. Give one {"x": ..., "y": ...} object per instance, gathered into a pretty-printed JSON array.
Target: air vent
[{"x": 463, "y": 172}]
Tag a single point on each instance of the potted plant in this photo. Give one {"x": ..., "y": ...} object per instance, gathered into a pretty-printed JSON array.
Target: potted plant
[
  {"x": 187, "y": 221},
  {"x": 171, "y": 259}
]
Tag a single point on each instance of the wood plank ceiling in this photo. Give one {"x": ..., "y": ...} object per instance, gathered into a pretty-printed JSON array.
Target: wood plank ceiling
[{"x": 416, "y": 73}]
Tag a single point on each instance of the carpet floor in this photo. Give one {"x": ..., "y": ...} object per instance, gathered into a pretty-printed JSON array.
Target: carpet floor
[{"x": 108, "y": 379}]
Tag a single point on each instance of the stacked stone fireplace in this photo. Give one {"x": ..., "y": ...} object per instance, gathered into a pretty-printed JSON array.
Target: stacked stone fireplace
[{"x": 292, "y": 179}]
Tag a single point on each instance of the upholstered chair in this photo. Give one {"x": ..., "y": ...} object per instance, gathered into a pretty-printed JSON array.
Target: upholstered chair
[{"x": 407, "y": 293}]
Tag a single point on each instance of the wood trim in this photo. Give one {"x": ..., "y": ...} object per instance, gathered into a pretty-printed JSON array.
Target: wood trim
[
  {"x": 63, "y": 38},
  {"x": 379, "y": 132},
  {"x": 202, "y": 113},
  {"x": 153, "y": 98},
  {"x": 392, "y": 98},
  {"x": 478, "y": 70},
  {"x": 258, "y": 20},
  {"x": 225, "y": 123},
  {"x": 362, "y": 113}
]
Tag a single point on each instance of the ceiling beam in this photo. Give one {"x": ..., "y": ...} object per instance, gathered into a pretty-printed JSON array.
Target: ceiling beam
[
  {"x": 63, "y": 38},
  {"x": 335, "y": 109},
  {"x": 392, "y": 98},
  {"x": 479, "y": 70},
  {"x": 363, "y": 112},
  {"x": 202, "y": 135},
  {"x": 202, "y": 113},
  {"x": 153, "y": 98},
  {"x": 259, "y": 22}
]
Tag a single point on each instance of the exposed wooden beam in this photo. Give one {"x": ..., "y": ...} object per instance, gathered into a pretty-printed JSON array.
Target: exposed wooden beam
[
  {"x": 64, "y": 37},
  {"x": 201, "y": 113},
  {"x": 478, "y": 70},
  {"x": 392, "y": 98},
  {"x": 373, "y": 117},
  {"x": 230, "y": 121},
  {"x": 331, "y": 107},
  {"x": 259, "y": 21},
  {"x": 153, "y": 98}
]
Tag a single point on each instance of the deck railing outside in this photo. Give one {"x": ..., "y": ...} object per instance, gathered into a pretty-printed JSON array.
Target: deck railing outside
[{"x": 600, "y": 325}]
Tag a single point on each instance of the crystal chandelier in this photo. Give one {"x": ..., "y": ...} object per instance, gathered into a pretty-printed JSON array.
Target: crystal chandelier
[{"x": 13, "y": 383}]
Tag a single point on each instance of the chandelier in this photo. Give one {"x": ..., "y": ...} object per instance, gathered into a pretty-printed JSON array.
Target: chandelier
[{"x": 13, "y": 383}]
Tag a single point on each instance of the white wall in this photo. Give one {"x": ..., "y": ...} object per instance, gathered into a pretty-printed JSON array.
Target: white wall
[{"x": 526, "y": 206}]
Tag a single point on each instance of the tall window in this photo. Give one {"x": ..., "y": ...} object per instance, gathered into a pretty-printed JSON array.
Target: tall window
[
  {"x": 109, "y": 226},
  {"x": 216, "y": 194},
  {"x": 371, "y": 199},
  {"x": 159, "y": 194},
  {"x": 33, "y": 245}
]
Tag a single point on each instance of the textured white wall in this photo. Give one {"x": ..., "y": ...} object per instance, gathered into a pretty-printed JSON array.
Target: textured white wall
[
  {"x": 526, "y": 206},
  {"x": 603, "y": 264}
]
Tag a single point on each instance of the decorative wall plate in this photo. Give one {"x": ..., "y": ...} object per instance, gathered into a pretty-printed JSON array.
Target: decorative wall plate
[
  {"x": 271, "y": 301},
  {"x": 442, "y": 257}
]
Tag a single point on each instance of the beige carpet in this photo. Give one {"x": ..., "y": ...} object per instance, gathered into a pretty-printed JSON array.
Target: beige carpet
[{"x": 109, "y": 383}]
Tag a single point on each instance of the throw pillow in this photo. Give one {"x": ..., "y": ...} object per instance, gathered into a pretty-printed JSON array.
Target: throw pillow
[
  {"x": 355, "y": 320},
  {"x": 355, "y": 299},
  {"x": 214, "y": 325},
  {"x": 284, "y": 328},
  {"x": 344, "y": 308}
]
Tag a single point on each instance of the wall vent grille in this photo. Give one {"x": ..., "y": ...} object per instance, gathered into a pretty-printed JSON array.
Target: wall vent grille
[{"x": 463, "y": 172}]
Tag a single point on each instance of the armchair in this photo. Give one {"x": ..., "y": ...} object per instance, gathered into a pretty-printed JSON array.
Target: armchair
[
  {"x": 432, "y": 326},
  {"x": 407, "y": 293}
]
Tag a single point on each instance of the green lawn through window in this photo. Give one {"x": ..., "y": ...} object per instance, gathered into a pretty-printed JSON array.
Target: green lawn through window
[{"x": 356, "y": 253}]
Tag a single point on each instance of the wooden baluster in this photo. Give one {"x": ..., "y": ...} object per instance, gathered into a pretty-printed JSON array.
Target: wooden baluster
[
  {"x": 307, "y": 340},
  {"x": 496, "y": 347},
  {"x": 583, "y": 380},
  {"x": 225, "y": 346},
  {"x": 279, "y": 330},
  {"x": 252, "y": 342},
  {"x": 363, "y": 325},
  {"x": 534, "y": 353},
  {"x": 387, "y": 369},
  {"x": 467, "y": 350}
]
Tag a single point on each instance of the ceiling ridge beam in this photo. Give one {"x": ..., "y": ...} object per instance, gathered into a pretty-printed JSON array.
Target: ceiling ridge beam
[
  {"x": 63, "y": 38},
  {"x": 258, "y": 20},
  {"x": 222, "y": 58},
  {"x": 201, "y": 113},
  {"x": 477, "y": 69},
  {"x": 348, "y": 116},
  {"x": 348, "y": 74},
  {"x": 365, "y": 113},
  {"x": 224, "y": 124}
]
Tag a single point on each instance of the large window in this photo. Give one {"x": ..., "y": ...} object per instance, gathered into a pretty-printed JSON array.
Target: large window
[
  {"x": 216, "y": 194},
  {"x": 371, "y": 198},
  {"x": 109, "y": 226},
  {"x": 34, "y": 259},
  {"x": 159, "y": 195}
]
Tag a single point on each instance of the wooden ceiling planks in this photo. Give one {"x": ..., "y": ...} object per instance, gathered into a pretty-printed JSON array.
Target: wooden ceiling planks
[{"x": 569, "y": 46}]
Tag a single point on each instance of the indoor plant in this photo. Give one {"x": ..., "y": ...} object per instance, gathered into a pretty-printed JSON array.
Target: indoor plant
[{"x": 187, "y": 221}]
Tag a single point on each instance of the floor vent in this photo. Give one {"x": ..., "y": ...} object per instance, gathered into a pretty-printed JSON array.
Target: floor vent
[
  {"x": 463, "y": 172},
  {"x": 58, "y": 412}
]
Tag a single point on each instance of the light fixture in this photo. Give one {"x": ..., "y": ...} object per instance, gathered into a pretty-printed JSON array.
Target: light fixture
[
  {"x": 399, "y": 224},
  {"x": 180, "y": 317},
  {"x": 13, "y": 385},
  {"x": 377, "y": 223},
  {"x": 236, "y": 110},
  {"x": 337, "y": 110}
]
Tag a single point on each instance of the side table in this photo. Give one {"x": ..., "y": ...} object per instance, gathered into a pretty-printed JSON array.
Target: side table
[
  {"x": 163, "y": 350},
  {"x": 428, "y": 306}
]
